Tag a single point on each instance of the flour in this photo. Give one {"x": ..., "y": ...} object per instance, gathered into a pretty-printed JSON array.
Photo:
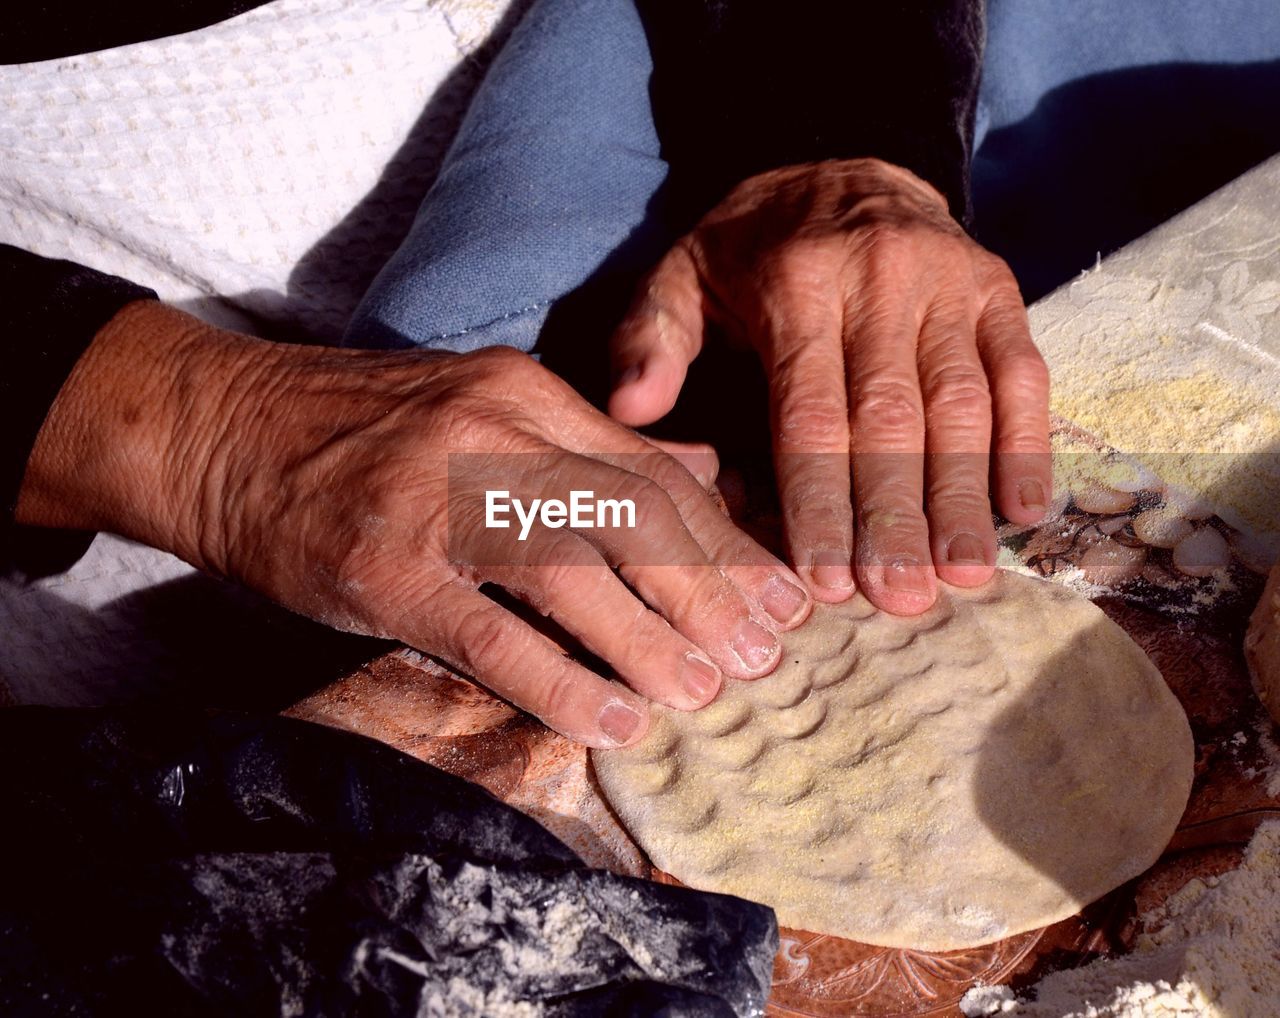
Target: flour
[
  {"x": 465, "y": 1000},
  {"x": 1209, "y": 439},
  {"x": 1068, "y": 576},
  {"x": 1269, "y": 746},
  {"x": 1211, "y": 951}
]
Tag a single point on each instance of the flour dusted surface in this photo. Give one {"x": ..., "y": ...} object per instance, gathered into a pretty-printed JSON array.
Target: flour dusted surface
[
  {"x": 1211, "y": 951},
  {"x": 934, "y": 783}
]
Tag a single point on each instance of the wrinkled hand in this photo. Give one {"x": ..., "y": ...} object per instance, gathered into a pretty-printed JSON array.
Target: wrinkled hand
[
  {"x": 886, "y": 334},
  {"x": 349, "y": 486}
]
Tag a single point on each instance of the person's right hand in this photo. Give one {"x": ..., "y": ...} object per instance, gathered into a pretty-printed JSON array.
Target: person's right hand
[
  {"x": 904, "y": 385},
  {"x": 349, "y": 486}
]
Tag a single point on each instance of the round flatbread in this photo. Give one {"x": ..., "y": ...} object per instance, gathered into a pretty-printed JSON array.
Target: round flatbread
[
  {"x": 933, "y": 783},
  {"x": 1262, "y": 645}
]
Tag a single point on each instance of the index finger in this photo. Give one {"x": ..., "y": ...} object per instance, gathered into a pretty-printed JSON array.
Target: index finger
[{"x": 478, "y": 637}]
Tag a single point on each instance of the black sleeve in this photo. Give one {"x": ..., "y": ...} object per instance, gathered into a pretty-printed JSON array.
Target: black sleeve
[
  {"x": 49, "y": 313},
  {"x": 45, "y": 29},
  {"x": 743, "y": 86}
]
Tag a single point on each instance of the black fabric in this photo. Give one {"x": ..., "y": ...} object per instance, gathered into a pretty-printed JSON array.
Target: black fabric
[
  {"x": 43, "y": 31},
  {"x": 49, "y": 313},
  {"x": 225, "y": 864},
  {"x": 743, "y": 86}
]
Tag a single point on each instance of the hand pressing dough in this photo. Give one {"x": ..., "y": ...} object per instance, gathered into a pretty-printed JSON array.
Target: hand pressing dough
[
  {"x": 931, "y": 783},
  {"x": 1262, "y": 645}
]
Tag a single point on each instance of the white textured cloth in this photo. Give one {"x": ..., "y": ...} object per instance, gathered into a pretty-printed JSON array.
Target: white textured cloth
[
  {"x": 1169, "y": 351},
  {"x": 262, "y": 167},
  {"x": 257, "y": 172}
]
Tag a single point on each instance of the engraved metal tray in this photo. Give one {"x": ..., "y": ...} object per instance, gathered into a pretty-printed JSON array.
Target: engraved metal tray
[{"x": 1192, "y": 628}]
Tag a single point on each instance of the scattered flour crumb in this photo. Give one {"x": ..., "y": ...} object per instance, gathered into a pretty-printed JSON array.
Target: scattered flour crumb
[
  {"x": 1266, "y": 739},
  {"x": 463, "y": 1000},
  {"x": 1068, "y": 576},
  {"x": 988, "y": 1000},
  {"x": 1211, "y": 951}
]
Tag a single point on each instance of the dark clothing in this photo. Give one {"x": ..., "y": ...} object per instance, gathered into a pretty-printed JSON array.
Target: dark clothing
[
  {"x": 49, "y": 313},
  {"x": 45, "y": 31},
  {"x": 743, "y": 86}
]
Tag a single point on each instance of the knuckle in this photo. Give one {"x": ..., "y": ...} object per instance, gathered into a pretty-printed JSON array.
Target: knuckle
[
  {"x": 558, "y": 574},
  {"x": 886, "y": 248},
  {"x": 958, "y": 388},
  {"x": 893, "y": 489},
  {"x": 812, "y": 419},
  {"x": 817, "y": 484},
  {"x": 826, "y": 518},
  {"x": 711, "y": 595},
  {"x": 656, "y": 513},
  {"x": 483, "y": 641},
  {"x": 562, "y": 574},
  {"x": 506, "y": 379},
  {"x": 960, "y": 497},
  {"x": 888, "y": 406},
  {"x": 501, "y": 358},
  {"x": 726, "y": 596},
  {"x": 803, "y": 263},
  {"x": 1005, "y": 315},
  {"x": 891, "y": 525},
  {"x": 999, "y": 278},
  {"x": 885, "y": 533},
  {"x": 651, "y": 644},
  {"x": 1024, "y": 369},
  {"x": 557, "y": 696},
  {"x": 670, "y": 475},
  {"x": 895, "y": 502}
]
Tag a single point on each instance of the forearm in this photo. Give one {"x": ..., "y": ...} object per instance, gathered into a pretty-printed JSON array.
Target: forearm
[
  {"x": 742, "y": 86},
  {"x": 129, "y": 444}
]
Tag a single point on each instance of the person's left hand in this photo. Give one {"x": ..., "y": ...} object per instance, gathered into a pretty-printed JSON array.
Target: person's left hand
[{"x": 890, "y": 339}]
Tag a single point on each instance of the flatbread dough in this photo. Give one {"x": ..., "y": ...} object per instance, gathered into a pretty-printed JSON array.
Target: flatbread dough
[
  {"x": 930, "y": 783},
  {"x": 1262, "y": 645}
]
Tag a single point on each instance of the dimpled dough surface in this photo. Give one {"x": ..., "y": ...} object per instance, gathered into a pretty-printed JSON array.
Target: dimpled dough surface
[{"x": 931, "y": 783}]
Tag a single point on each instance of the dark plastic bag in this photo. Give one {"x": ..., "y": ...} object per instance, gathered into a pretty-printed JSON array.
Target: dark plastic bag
[{"x": 184, "y": 864}]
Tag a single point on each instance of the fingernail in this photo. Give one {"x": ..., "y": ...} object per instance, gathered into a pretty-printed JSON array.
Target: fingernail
[
  {"x": 619, "y": 722},
  {"x": 628, "y": 375},
  {"x": 831, "y": 569},
  {"x": 906, "y": 576},
  {"x": 754, "y": 645},
  {"x": 701, "y": 678},
  {"x": 782, "y": 599},
  {"x": 966, "y": 549},
  {"x": 1031, "y": 495}
]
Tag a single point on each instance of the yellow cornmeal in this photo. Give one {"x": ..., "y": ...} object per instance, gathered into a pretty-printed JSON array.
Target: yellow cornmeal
[
  {"x": 1200, "y": 413},
  {"x": 1204, "y": 435}
]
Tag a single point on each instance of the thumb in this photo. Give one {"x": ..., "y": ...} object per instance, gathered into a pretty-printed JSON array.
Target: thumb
[{"x": 653, "y": 347}]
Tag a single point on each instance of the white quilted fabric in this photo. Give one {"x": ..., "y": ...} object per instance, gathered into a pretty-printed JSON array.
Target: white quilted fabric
[
  {"x": 264, "y": 166},
  {"x": 257, "y": 172}
]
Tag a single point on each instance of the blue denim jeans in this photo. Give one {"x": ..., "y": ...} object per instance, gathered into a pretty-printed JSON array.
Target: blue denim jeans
[
  {"x": 554, "y": 176},
  {"x": 1097, "y": 120}
]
